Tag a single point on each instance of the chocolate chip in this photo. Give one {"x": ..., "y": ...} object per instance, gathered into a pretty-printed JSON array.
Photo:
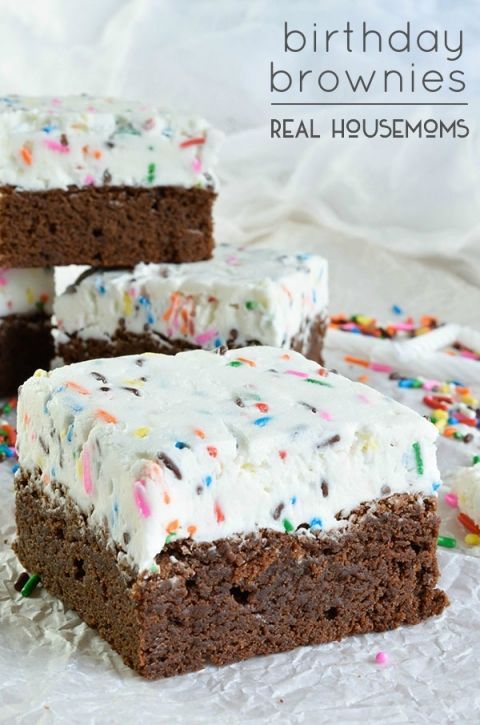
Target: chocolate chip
[
  {"x": 329, "y": 441},
  {"x": 239, "y": 402},
  {"x": 44, "y": 445},
  {"x": 105, "y": 389},
  {"x": 64, "y": 139},
  {"x": 199, "y": 490},
  {"x": 140, "y": 361},
  {"x": 168, "y": 463},
  {"x": 385, "y": 490},
  {"x": 107, "y": 177},
  {"x": 278, "y": 510},
  {"x": 468, "y": 438},
  {"x": 100, "y": 377},
  {"x": 394, "y": 376},
  {"x": 310, "y": 407},
  {"x": 126, "y": 538},
  {"x": 135, "y": 391},
  {"x": 324, "y": 489},
  {"x": 109, "y": 144}
]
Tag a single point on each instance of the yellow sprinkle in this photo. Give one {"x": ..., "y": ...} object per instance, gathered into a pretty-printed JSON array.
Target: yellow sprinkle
[
  {"x": 39, "y": 373},
  {"x": 135, "y": 382},
  {"x": 469, "y": 399},
  {"x": 79, "y": 468},
  {"x": 127, "y": 304},
  {"x": 439, "y": 413},
  {"x": 472, "y": 539},
  {"x": 141, "y": 432},
  {"x": 30, "y": 297}
]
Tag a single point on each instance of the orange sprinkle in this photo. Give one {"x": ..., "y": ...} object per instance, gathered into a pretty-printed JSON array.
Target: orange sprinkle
[
  {"x": 286, "y": 356},
  {"x": 191, "y": 529},
  {"x": 199, "y": 432},
  {"x": 247, "y": 361},
  {"x": 46, "y": 478},
  {"x": 170, "y": 310},
  {"x": 26, "y": 155},
  {"x": 219, "y": 515},
  {"x": 362, "y": 378},
  {"x": 77, "y": 388},
  {"x": 212, "y": 451},
  {"x": 282, "y": 454},
  {"x": 263, "y": 407},
  {"x": 172, "y": 526},
  {"x": 323, "y": 372},
  {"x": 468, "y": 523},
  {"x": 166, "y": 497},
  {"x": 463, "y": 391},
  {"x": 356, "y": 361},
  {"x": 97, "y": 154},
  {"x": 26, "y": 419},
  {"x": 449, "y": 431},
  {"x": 107, "y": 417}
]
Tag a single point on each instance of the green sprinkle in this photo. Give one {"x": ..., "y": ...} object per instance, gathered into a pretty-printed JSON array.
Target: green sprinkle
[
  {"x": 318, "y": 382},
  {"x": 235, "y": 364},
  {"x": 417, "y": 383},
  {"x": 170, "y": 537},
  {"x": 151, "y": 173},
  {"x": 251, "y": 305},
  {"x": 154, "y": 569},
  {"x": 30, "y": 586},
  {"x": 447, "y": 542},
  {"x": 476, "y": 459},
  {"x": 287, "y": 525},
  {"x": 418, "y": 458}
]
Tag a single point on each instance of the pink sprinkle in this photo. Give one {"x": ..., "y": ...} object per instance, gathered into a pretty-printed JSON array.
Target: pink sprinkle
[
  {"x": 3, "y": 278},
  {"x": 232, "y": 259},
  {"x": 325, "y": 415},
  {"x": 205, "y": 337},
  {"x": 89, "y": 180},
  {"x": 363, "y": 398},
  {"x": 404, "y": 326},
  {"x": 56, "y": 146},
  {"x": 430, "y": 384},
  {"x": 381, "y": 658},
  {"x": 197, "y": 165},
  {"x": 140, "y": 500},
  {"x": 451, "y": 500},
  {"x": 297, "y": 373},
  {"x": 87, "y": 473},
  {"x": 380, "y": 367}
]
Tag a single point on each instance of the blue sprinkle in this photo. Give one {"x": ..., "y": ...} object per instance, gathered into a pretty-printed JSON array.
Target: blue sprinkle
[
  {"x": 436, "y": 486},
  {"x": 144, "y": 301},
  {"x": 316, "y": 523},
  {"x": 263, "y": 421},
  {"x": 9, "y": 453},
  {"x": 217, "y": 342},
  {"x": 397, "y": 310},
  {"x": 180, "y": 444},
  {"x": 167, "y": 132},
  {"x": 53, "y": 472},
  {"x": 70, "y": 433},
  {"x": 99, "y": 286},
  {"x": 302, "y": 257},
  {"x": 60, "y": 389},
  {"x": 314, "y": 297},
  {"x": 150, "y": 318},
  {"x": 406, "y": 383},
  {"x": 48, "y": 128},
  {"x": 76, "y": 407},
  {"x": 15, "y": 468},
  {"x": 452, "y": 420},
  {"x": 293, "y": 500},
  {"x": 207, "y": 480}
]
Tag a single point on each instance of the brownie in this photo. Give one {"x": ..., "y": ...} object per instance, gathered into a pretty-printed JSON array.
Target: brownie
[
  {"x": 73, "y": 348},
  {"x": 26, "y": 343},
  {"x": 224, "y": 601},
  {"x": 105, "y": 225}
]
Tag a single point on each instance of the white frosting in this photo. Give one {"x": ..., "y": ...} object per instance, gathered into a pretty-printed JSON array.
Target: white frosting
[
  {"x": 465, "y": 482},
  {"x": 159, "y": 447},
  {"x": 49, "y": 143},
  {"x": 26, "y": 291},
  {"x": 262, "y": 295}
]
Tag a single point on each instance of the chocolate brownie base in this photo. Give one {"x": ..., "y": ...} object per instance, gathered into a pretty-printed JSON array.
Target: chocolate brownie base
[
  {"x": 224, "y": 601},
  {"x": 105, "y": 226},
  {"x": 76, "y": 349},
  {"x": 26, "y": 344}
]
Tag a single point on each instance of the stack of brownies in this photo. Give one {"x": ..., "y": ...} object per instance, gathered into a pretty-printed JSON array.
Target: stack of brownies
[
  {"x": 129, "y": 189},
  {"x": 197, "y": 508}
]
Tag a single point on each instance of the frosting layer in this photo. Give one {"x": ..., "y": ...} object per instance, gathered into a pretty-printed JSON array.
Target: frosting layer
[
  {"x": 465, "y": 483},
  {"x": 26, "y": 291},
  {"x": 156, "y": 448},
  {"x": 246, "y": 294},
  {"x": 49, "y": 143}
]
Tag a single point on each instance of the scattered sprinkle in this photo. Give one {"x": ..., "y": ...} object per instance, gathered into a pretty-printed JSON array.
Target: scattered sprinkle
[
  {"x": 447, "y": 541},
  {"x": 381, "y": 658},
  {"x": 30, "y": 585}
]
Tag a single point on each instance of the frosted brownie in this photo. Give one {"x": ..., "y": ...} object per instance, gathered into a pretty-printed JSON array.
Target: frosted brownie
[
  {"x": 241, "y": 297},
  {"x": 99, "y": 181},
  {"x": 26, "y": 341},
  {"x": 206, "y": 508}
]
